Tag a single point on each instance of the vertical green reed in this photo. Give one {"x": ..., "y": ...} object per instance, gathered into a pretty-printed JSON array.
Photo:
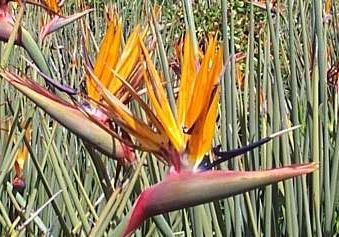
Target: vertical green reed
[
  {"x": 232, "y": 110},
  {"x": 295, "y": 105},
  {"x": 226, "y": 103},
  {"x": 252, "y": 158},
  {"x": 164, "y": 64},
  {"x": 268, "y": 125},
  {"x": 321, "y": 78},
  {"x": 290, "y": 211},
  {"x": 325, "y": 127}
]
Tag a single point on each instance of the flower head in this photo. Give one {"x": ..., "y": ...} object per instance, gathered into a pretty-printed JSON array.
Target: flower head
[
  {"x": 190, "y": 132},
  {"x": 180, "y": 139}
]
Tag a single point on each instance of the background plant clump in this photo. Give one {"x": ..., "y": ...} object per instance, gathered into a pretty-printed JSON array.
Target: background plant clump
[{"x": 282, "y": 70}]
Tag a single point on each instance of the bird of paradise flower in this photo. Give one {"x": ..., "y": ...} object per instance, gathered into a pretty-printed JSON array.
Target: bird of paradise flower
[
  {"x": 182, "y": 139},
  {"x": 94, "y": 127}
]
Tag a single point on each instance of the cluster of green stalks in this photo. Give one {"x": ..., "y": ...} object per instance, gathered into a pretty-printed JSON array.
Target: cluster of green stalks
[{"x": 286, "y": 74}]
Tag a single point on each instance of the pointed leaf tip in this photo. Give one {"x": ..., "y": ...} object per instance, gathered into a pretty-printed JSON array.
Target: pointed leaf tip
[
  {"x": 282, "y": 132},
  {"x": 58, "y": 22}
]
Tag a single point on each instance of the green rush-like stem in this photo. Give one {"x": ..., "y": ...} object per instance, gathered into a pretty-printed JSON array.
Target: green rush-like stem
[
  {"x": 295, "y": 111},
  {"x": 46, "y": 185},
  {"x": 28, "y": 205},
  {"x": 290, "y": 211},
  {"x": 268, "y": 150},
  {"x": 29, "y": 209},
  {"x": 334, "y": 170},
  {"x": 100, "y": 169},
  {"x": 49, "y": 143},
  {"x": 9, "y": 158},
  {"x": 13, "y": 36},
  {"x": 326, "y": 150},
  {"x": 5, "y": 217},
  {"x": 62, "y": 183},
  {"x": 293, "y": 80},
  {"x": 105, "y": 216},
  {"x": 206, "y": 220},
  {"x": 187, "y": 226},
  {"x": 251, "y": 84},
  {"x": 162, "y": 225},
  {"x": 33, "y": 174},
  {"x": 10, "y": 136},
  {"x": 177, "y": 220},
  {"x": 24, "y": 225},
  {"x": 306, "y": 192},
  {"x": 197, "y": 222},
  {"x": 252, "y": 155},
  {"x": 321, "y": 79},
  {"x": 315, "y": 149},
  {"x": 276, "y": 143},
  {"x": 306, "y": 54},
  {"x": 124, "y": 199},
  {"x": 114, "y": 204},
  {"x": 305, "y": 189},
  {"x": 251, "y": 215},
  {"x": 164, "y": 65},
  {"x": 3, "y": 223},
  {"x": 226, "y": 76},
  {"x": 215, "y": 220},
  {"x": 3, "y": 133},
  {"x": 226, "y": 105},
  {"x": 84, "y": 195},
  {"x": 308, "y": 112},
  {"x": 233, "y": 120},
  {"x": 233, "y": 94},
  {"x": 70, "y": 185},
  {"x": 15, "y": 205},
  {"x": 191, "y": 25},
  {"x": 227, "y": 141}
]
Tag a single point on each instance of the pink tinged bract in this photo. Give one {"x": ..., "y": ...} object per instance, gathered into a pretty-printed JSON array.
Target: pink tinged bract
[
  {"x": 6, "y": 28},
  {"x": 72, "y": 118},
  {"x": 187, "y": 189},
  {"x": 59, "y": 21}
]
